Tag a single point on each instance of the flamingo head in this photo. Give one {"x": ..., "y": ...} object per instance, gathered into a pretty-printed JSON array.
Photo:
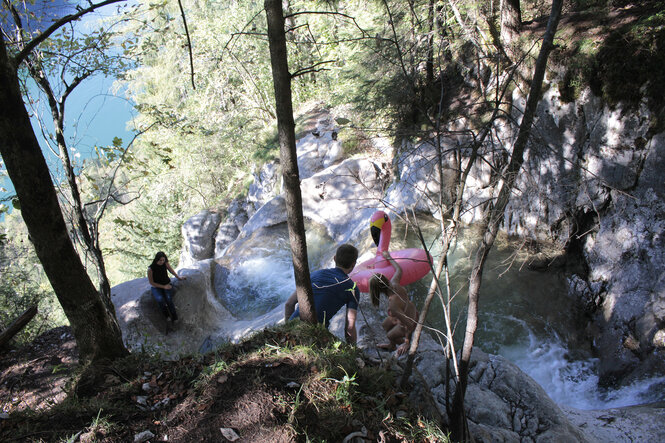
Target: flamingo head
[{"x": 376, "y": 225}]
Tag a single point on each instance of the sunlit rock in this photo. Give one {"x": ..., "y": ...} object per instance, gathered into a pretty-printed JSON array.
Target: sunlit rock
[
  {"x": 266, "y": 186},
  {"x": 342, "y": 198},
  {"x": 144, "y": 326},
  {"x": 229, "y": 229},
  {"x": 198, "y": 237}
]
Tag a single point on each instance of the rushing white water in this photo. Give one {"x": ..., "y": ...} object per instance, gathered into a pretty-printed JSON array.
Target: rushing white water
[
  {"x": 575, "y": 382},
  {"x": 525, "y": 316},
  {"x": 261, "y": 275},
  {"x": 259, "y": 283}
]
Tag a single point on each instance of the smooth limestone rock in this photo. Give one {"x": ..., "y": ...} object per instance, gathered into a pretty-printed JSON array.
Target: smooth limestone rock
[
  {"x": 144, "y": 326},
  {"x": 198, "y": 237}
]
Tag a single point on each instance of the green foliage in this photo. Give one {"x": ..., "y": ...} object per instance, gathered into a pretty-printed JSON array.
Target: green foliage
[
  {"x": 630, "y": 58},
  {"x": 137, "y": 231},
  {"x": 622, "y": 65},
  {"x": 402, "y": 68},
  {"x": 345, "y": 388},
  {"x": 23, "y": 283}
]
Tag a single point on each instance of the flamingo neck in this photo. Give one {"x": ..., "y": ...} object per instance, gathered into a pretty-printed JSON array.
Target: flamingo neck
[{"x": 384, "y": 240}]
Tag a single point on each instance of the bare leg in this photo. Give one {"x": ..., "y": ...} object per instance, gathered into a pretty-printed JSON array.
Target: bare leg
[
  {"x": 389, "y": 323},
  {"x": 290, "y": 306},
  {"x": 396, "y": 335},
  {"x": 393, "y": 328}
]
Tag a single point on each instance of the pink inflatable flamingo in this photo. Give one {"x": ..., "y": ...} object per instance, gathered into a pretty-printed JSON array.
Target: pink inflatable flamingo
[{"x": 415, "y": 263}]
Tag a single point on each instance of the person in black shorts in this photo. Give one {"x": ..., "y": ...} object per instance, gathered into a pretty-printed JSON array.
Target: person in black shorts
[{"x": 333, "y": 288}]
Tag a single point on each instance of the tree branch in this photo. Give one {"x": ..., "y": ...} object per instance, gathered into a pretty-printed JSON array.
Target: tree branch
[
  {"x": 32, "y": 44},
  {"x": 189, "y": 42},
  {"x": 353, "y": 19},
  {"x": 309, "y": 69}
]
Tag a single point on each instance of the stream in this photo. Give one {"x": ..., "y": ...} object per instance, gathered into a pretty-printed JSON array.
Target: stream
[{"x": 526, "y": 316}]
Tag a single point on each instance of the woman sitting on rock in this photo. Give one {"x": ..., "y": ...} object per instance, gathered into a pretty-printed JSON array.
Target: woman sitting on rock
[
  {"x": 402, "y": 313},
  {"x": 162, "y": 289}
]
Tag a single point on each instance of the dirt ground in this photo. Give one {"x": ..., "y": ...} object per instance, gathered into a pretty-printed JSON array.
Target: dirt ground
[
  {"x": 244, "y": 393},
  {"x": 35, "y": 376}
]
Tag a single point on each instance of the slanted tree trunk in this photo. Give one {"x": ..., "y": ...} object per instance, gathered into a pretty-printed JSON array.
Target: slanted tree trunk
[
  {"x": 289, "y": 159},
  {"x": 492, "y": 222},
  {"x": 95, "y": 328},
  {"x": 17, "y": 325}
]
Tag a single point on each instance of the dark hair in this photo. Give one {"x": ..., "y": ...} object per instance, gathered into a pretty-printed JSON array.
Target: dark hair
[
  {"x": 159, "y": 255},
  {"x": 346, "y": 256},
  {"x": 378, "y": 283}
]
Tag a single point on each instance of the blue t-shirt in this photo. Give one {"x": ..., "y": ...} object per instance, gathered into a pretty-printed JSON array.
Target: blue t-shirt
[{"x": 332, "y": 289}]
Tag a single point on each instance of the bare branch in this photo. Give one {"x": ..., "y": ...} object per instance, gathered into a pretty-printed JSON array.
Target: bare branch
[
  {"x": 243, "y": 30},
  {"x": 32, "y": 44},
  {"x": 353, "y": 19},
  {"x": 189, "y": 43},
  {"x": 100, "y": 211},
  {"x": 311, "y": 68}
]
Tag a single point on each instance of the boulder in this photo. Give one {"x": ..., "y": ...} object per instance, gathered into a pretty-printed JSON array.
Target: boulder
[
  {"x": 198, "y": 234},
  {"x": 229, "y": 229},
  {"x": 633, "y": 423},
  {"x": 502, "y": 403},
  {"x": 266, "y": 186},
  {"x": 270, "y": 214},
  {"x": 316, "y": 151},
  {"x": 343, "y": 197},
  {"x": 144, "y": 326}
]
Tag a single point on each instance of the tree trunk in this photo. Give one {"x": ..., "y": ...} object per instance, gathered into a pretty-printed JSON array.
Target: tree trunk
[
  {"x": 17, "y": 325},
  {"x": 95, "y": 328},
  {"x": 493, "y": 220},
  {"x": 289, "y": 159},
  {"x": 429, "y": 71},
  {"x": 511, "y": 21}
]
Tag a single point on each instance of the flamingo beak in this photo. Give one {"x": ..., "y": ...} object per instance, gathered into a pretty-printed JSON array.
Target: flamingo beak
[
  {"x": 376, "y": 234},
  {"x": 375, "y": 228}
]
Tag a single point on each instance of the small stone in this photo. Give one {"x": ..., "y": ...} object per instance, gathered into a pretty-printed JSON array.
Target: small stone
[
  {"x": 229, "y": 434},
  {"x": 161, "y": 404},
  {"x": 631, "y": 343},
  {"x": 142, "y": 400},
  {"x": 146, "y": 387},
  {"x": 292, "y": 385},
  {"x": 143, "y": 436}
]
